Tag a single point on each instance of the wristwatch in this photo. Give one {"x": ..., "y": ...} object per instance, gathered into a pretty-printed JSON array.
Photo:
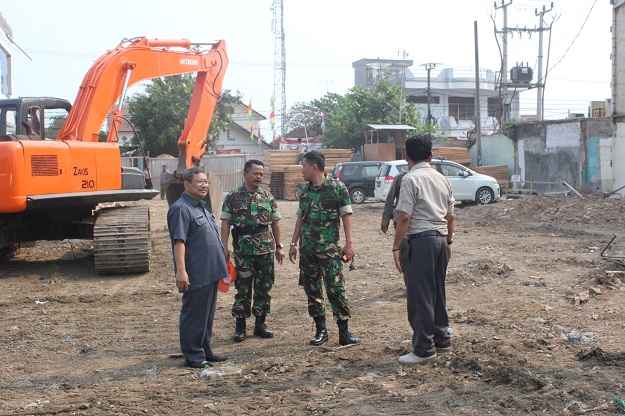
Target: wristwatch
[
  {"x": 292, "y": 244},
  {"x": 279, "y": 245}
]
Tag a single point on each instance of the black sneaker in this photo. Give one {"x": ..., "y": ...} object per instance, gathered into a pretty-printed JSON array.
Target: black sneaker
[{"x": 196, "y": 364}]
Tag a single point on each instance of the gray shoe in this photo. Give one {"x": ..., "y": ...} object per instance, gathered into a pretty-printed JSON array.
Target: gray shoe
[{"x": 410, "y": 358}]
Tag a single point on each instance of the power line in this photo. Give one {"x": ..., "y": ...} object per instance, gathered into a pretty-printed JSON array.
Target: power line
[{"x": 574, "y": 39}]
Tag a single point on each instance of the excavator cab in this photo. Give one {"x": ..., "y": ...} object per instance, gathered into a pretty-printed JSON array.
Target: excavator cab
[{"x": 25, "y": 117}]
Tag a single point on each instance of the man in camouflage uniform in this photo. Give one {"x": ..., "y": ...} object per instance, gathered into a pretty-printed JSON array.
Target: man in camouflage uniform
[
  {"x": 250, "y": 209},
  {"x": 322, "y": 204}
]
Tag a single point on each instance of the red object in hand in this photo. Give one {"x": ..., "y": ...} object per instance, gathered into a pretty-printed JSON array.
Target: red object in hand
[{"x": 224, "y": 284}]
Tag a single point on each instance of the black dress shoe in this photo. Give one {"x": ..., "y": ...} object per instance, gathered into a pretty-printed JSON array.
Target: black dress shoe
[
  {"x": 195, "y": 364},
  {"x": 215, "y": 357}
]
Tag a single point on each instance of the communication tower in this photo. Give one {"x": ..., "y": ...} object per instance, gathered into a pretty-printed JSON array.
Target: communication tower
[{"x": 279, "y": 66}]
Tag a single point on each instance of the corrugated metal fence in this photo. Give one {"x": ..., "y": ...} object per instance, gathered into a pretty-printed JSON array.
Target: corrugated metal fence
[{"x": 228, "y": 168}]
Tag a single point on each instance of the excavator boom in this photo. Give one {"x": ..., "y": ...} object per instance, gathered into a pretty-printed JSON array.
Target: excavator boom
[{"x": 142, "y": 59}]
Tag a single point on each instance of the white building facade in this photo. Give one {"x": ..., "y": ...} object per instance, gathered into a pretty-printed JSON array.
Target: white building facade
[{"x": 451, "y": 94}]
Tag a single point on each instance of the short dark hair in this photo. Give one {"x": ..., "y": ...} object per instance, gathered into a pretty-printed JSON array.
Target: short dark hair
[
  {"x": 299, "y": 140},
  {"x": 251, "y": 162},
  {"x": 191, "y": 172},
  {"x": 419, "y": 147},
  {"x": 316, "y": 158}
]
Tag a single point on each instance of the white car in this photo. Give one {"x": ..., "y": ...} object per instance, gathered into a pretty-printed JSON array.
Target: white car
[
  {"x": 386, "y": 174},
  {"x": 466, "y": 184}
]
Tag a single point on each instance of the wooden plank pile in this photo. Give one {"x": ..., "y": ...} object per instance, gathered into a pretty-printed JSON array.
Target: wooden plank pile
[
  {"x": 499, "y": 172},
  {"x": 334, "y": 156},
  {"x": 282, "y": 174},
  {"x": 455, "y": 154}
]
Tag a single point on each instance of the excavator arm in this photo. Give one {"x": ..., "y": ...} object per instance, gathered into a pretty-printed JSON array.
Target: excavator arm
[{"x": 140, "y": 59}]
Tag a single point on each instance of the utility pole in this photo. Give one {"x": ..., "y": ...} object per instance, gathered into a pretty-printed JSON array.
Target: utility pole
[
  {"x": 504, "y": 76},
  {"x": 403, "y": 54},
  {"x": 478, "y": 111},
  {"x": 505, "y": 109},
  {"x": 429, "y": 67},
  {"x": 540, "y": 85}
]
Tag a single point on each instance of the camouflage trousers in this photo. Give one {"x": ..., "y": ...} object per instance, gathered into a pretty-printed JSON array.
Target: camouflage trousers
[
  {"x": 317, "y": 270},
  {"x": 253, "y": 273}
]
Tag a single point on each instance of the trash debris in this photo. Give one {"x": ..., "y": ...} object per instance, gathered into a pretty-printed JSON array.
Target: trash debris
[
  {"x": 614, "y": 259},
  {"x": 575, "y": 338},
  {"x": 578, "y": 298}
]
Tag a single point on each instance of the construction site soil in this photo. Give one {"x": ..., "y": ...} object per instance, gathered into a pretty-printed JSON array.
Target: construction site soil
[{"x": 538, "y": 319}]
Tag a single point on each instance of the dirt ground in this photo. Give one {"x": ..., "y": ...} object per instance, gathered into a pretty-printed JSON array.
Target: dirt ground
[{"x": 526, "y": 276}]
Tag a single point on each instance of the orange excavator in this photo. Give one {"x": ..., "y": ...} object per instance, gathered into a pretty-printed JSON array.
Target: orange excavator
[{"x": 51, "y": 189}]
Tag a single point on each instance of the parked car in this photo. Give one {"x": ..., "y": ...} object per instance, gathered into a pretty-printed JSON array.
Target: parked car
[
  {"x": 387, "y": 173},
  {"x": 466, "y": 184},
  {"x": 359, "y": 177}
]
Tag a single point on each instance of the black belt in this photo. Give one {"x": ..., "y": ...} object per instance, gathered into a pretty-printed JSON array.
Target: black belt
[
  {"x": 238, "y": 231},
  {"x": 432, "y": 233}
]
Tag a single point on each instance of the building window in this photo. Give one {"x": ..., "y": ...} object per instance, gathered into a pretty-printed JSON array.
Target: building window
[
  {"x": 598, "y": 112},
  {"x": 228, "y": 137},
  {"x": 423, "y": 99},
  {"x": 494, "y": 107},
  {"x": 462, "y": 108}
]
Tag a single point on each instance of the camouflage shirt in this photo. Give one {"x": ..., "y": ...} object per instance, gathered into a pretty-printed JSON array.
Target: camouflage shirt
[
  {"x": 320, "y": 208},
  {"x": 246, "y": 209}
]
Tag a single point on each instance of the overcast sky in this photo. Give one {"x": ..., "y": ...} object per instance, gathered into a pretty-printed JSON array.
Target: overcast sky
[{"x": 323, "y": 38}]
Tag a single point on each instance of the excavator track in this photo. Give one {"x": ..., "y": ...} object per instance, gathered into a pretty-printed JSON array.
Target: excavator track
[{"x": 121, "y": 240}]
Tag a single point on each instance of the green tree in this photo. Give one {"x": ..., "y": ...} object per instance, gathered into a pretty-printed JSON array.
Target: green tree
[
  {"x": 159, "y": 114},
  {"x": 345, "y": 116}
]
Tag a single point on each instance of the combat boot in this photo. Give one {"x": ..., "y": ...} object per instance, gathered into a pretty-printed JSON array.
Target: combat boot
[
  {"x": 322, "y": 333},
  {"x": 239, "y": 330},
  {"x": 345, "y": 338},
  {"x": 260, "y": 328}
]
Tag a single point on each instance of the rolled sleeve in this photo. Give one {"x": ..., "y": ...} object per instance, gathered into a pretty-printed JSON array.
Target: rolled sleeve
[{"x": 345, "y": 209}]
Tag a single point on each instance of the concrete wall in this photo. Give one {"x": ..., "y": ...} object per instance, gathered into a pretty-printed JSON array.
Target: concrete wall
[
  {"x": 618, "y": 158},
  {"x": 575, "y": 151},
  {"x": 497, "y": 149}
]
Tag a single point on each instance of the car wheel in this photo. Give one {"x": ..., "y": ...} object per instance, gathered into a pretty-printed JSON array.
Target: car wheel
[
  {"x": 357, "y": 195},
  {"x": 484, "y": 196}
]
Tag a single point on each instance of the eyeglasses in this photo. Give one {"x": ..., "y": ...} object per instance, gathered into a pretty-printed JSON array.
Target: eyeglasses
[{"x": 200, "y": 183}]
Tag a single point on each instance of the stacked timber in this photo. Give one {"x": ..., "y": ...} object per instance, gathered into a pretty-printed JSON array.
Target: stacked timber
[
  {"x": 281, "y": 172},
  {"x": 276, "y": 184},
  {"x": 499, "y": 172},
  {"x": 455, "y": 154},
  {"x": 292, "y": 176},
  {"x": 276, "y": 159},
  {"x": 334, "y": 156}
]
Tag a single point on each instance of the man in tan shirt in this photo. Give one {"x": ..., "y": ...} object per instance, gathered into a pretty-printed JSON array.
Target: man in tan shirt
[{"x": 425, "y": 218}]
